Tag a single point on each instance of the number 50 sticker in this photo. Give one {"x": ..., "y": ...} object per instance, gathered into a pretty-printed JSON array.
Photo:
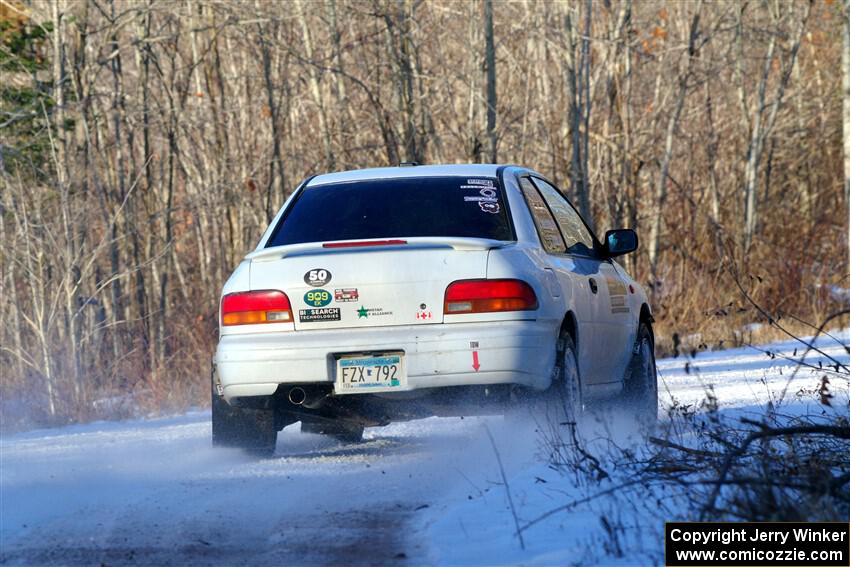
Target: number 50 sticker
[{"x": 317, "y": 277}]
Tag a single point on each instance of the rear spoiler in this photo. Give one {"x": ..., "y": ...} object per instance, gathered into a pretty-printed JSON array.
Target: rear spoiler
[{"x": 416, "y": 242}]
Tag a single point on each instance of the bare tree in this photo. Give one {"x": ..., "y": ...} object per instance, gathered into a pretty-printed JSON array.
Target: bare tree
[
  {"x": 577, "y": 70},
  {"x": 490, "y": 63},
  {"x": 845, "y": 98},
  {"x": 766, "y": 111},
  {"x": 315, "y": 86},
  {"x": 683, "y": 87},
  {"x": 144, "y": 146}
]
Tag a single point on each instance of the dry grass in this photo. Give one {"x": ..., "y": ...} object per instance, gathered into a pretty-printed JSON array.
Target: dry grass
[{"x": 700, "y": 464}]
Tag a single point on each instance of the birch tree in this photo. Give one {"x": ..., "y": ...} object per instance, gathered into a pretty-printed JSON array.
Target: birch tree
[{"x": 766, "y": 109}]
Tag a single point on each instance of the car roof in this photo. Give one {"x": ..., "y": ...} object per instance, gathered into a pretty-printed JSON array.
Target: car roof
[{"x": 466, "y": 169}]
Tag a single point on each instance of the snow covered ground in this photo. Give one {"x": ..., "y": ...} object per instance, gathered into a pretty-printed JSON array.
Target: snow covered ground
[
  {"x": 424, "y": 492},
  {"x": 480, "y": 530}
]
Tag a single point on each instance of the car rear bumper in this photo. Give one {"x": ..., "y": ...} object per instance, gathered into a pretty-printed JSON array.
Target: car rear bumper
[{"x": 509, "y": 352}]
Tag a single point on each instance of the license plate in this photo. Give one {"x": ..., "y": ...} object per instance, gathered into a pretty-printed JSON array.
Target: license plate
[{"x": 363, "y": 374}]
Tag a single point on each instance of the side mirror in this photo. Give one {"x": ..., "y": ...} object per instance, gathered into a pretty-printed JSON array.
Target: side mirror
[{"x": 620, "y": 241}]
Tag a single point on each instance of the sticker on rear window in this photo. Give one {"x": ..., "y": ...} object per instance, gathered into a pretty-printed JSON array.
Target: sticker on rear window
[
  {"x": 478, "y": 184},
  {"x": 317, "y": 277},
  {"x": 487, "y": 199},
  {"x": 318, "y": 315},
  {"x": 489, "y": 207}
]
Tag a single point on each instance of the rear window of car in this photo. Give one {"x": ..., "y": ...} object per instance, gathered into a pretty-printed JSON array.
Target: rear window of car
[{"x": 395, "y": 208}]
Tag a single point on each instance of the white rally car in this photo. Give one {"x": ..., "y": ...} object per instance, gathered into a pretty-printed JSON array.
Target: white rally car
[{"x": 397, "y": 293}]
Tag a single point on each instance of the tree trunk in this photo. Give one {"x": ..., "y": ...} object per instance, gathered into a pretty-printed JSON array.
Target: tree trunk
[
  {"x": 490, "y": 60},
  {"x": 276, "y": 178},
  {"x": 315, "y": 86},
  {"x": 345, "y": 117},
  {"x": 672, "y": 125},
  {"x": 584, "y": 93},
  {"x": 473, "y": 140},
  {"x": 762, "y": 127},
  {"x": 845, "y": 91},
  {"x": 751, "y": 169},
  {"x": 577, "y": 156},
  {"x": 399, "y": 46}
]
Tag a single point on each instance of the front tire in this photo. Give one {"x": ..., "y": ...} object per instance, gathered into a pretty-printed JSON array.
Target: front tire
[
  {"x": 252, "y": 430},
  {"x": 640, "y": 390}
]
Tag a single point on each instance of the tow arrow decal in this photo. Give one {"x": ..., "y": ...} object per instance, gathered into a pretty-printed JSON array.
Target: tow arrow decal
[{"x": 475, "y": 364}]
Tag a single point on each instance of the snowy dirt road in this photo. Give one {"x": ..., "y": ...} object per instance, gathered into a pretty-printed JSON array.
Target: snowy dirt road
[
  {"x": 154, "y": 492},
  {"x": 425, "y": 492}
]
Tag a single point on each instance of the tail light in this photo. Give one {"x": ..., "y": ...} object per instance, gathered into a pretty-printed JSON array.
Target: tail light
[
  {"x": 255, "y": 307},
  {"x": 487, "y": 296}
]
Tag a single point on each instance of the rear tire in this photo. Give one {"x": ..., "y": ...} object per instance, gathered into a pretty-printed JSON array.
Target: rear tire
[
  {"x": 565, "y": 395},
  {"x": 345, "y": 432},
  {"x": 252, "y": 430},
  {"x": 640, "y": 390}
]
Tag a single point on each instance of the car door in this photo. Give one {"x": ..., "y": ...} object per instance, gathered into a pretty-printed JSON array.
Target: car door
[
  {"x": 609, "y": 312},
  {"x": 566, "y": 269}
]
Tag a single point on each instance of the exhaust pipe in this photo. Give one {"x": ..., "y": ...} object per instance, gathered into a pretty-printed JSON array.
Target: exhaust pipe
[
  {"x": 297, "y": 396},
  {"x": 311, "y": 398}
]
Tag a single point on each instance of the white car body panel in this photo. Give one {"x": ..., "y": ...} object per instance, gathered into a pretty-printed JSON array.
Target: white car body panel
[
  {"x": 396, "y": 282},
  {"x": 436, "y": 355},
  {"x": 512, "y": 347}
]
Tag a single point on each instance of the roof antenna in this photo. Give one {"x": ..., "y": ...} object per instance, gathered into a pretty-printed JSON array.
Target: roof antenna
[{"x": 408, "y": 164}]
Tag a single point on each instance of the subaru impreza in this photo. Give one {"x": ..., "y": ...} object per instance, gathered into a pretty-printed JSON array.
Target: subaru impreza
[{"x": 398, "y": 293}]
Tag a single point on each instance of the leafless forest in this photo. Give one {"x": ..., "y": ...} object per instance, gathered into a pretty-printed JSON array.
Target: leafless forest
[{"x": 145, "y": 144}]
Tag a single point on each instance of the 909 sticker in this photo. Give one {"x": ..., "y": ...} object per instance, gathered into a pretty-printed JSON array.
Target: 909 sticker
[{"x": 317, "y": 297}]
